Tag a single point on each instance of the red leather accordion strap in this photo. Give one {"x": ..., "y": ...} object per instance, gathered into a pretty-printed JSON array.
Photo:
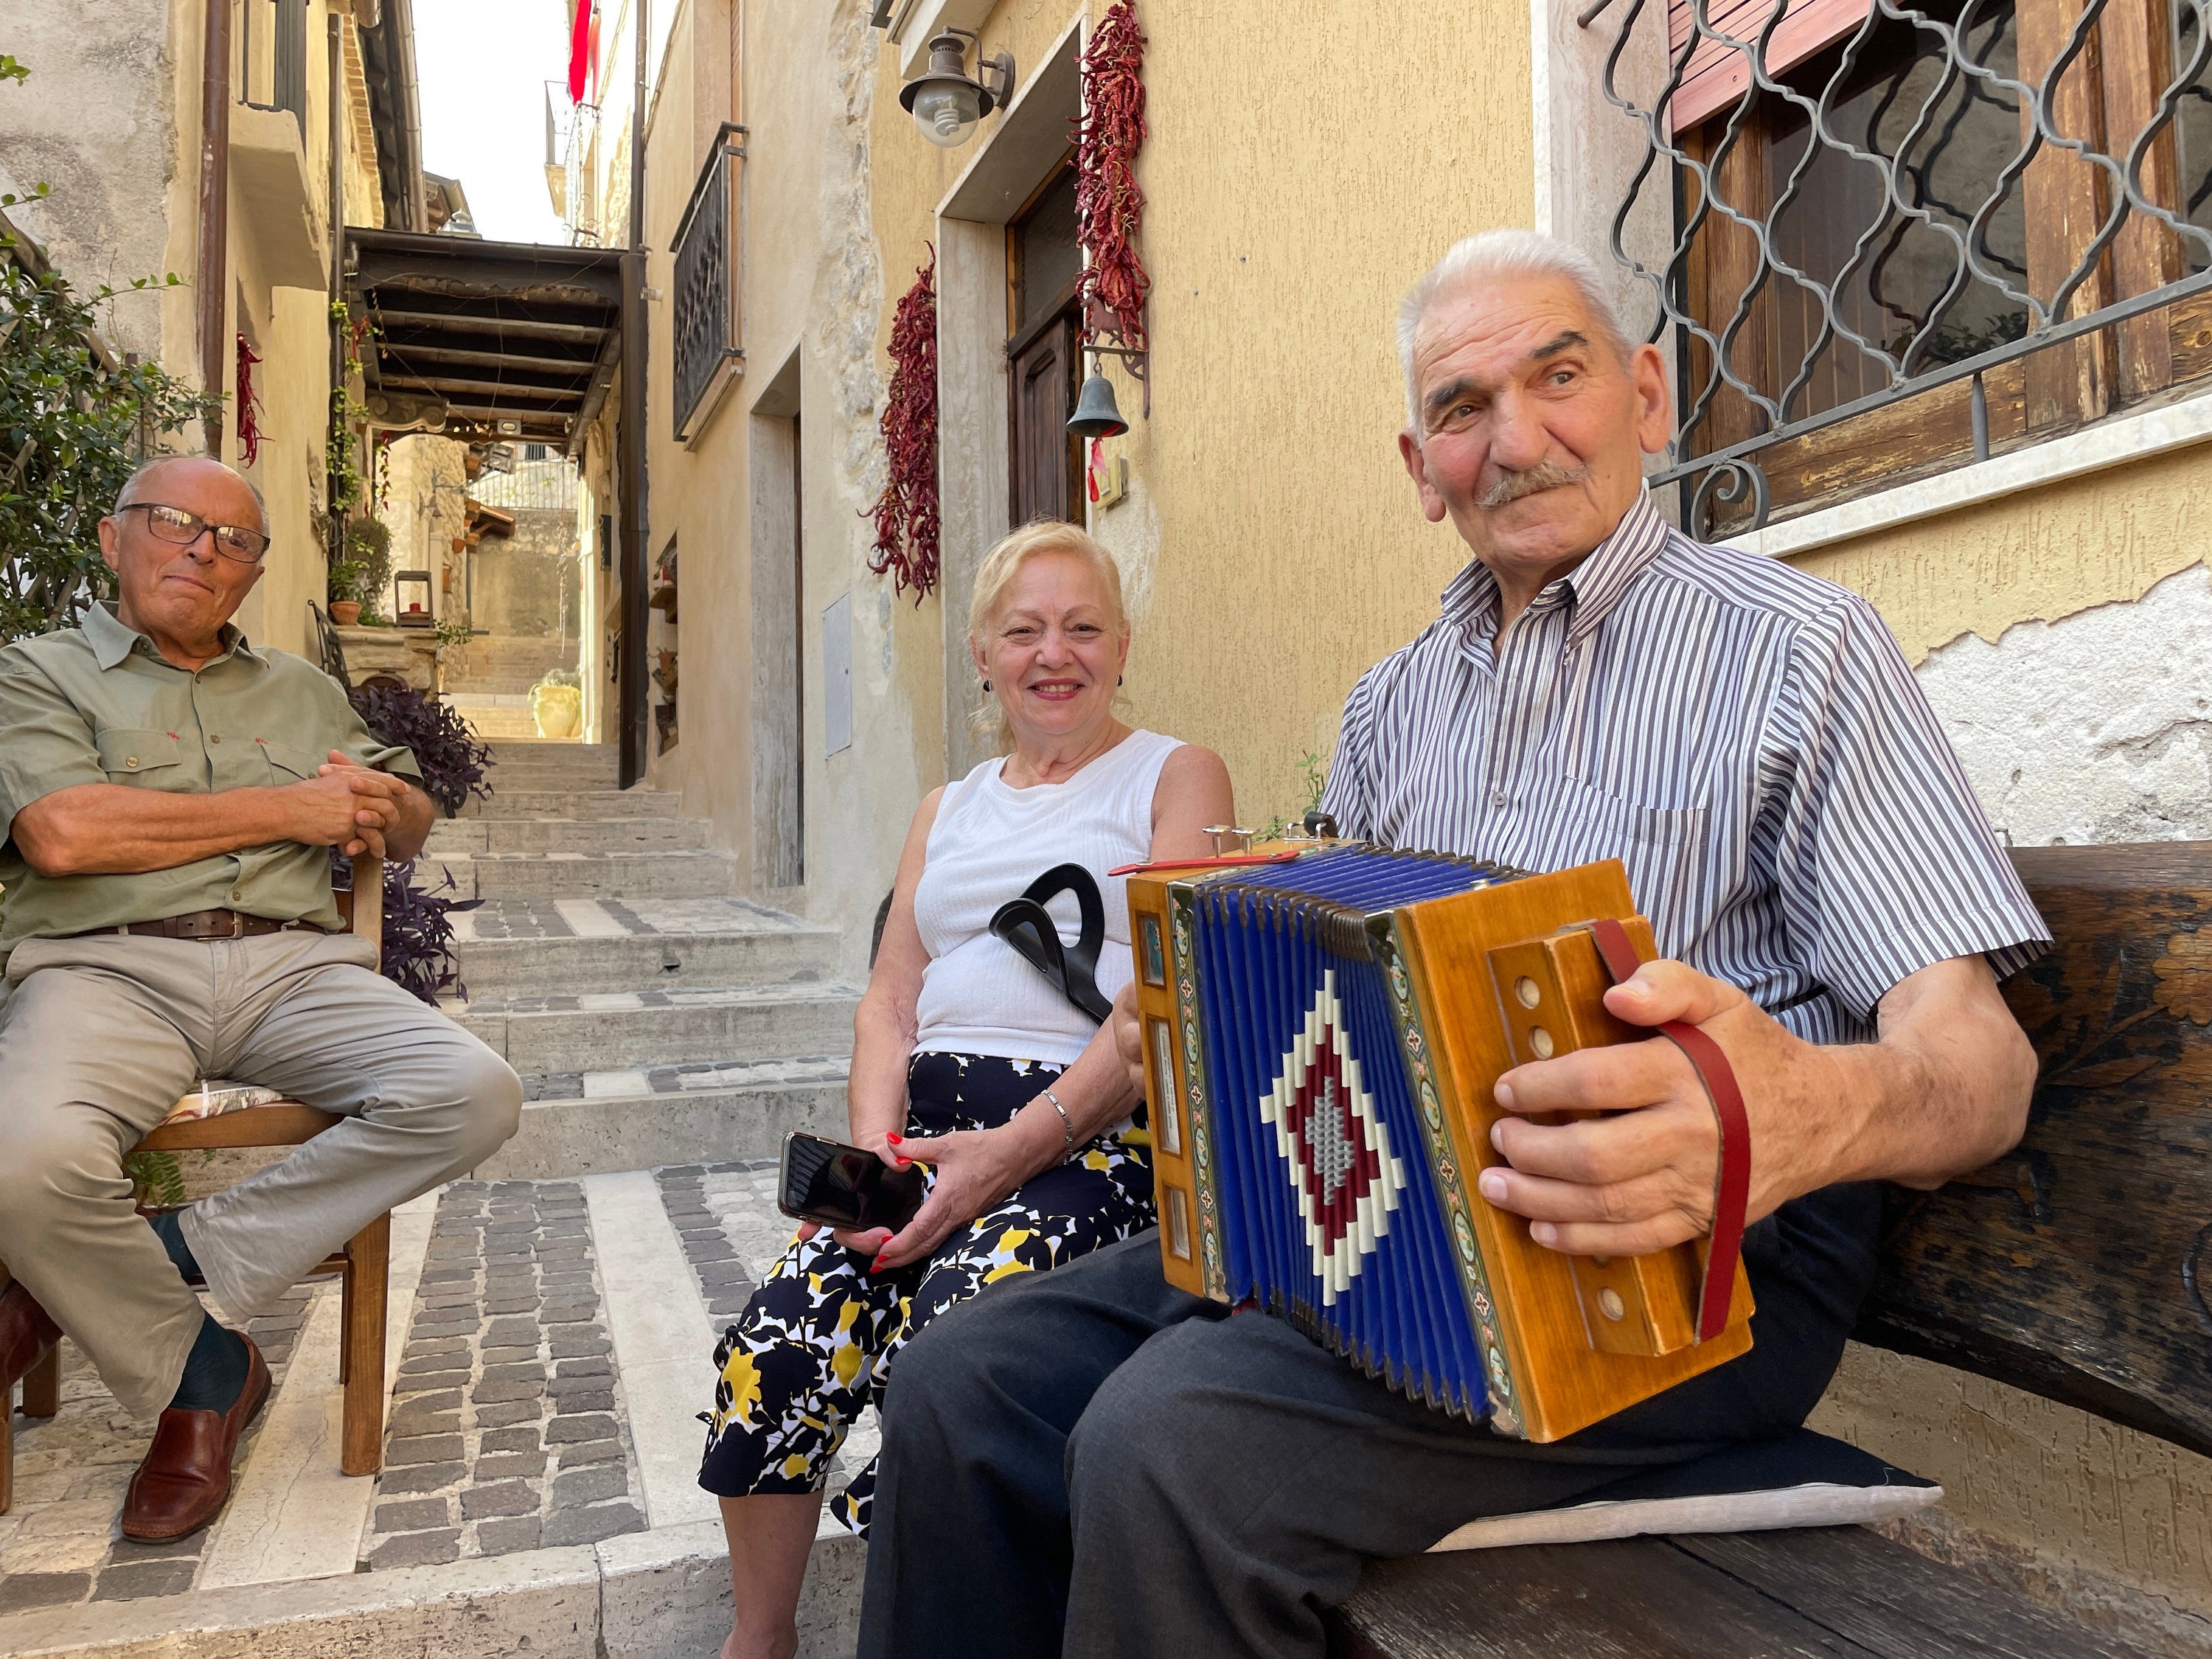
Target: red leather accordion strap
[{"x": 1732, "y": 1182}]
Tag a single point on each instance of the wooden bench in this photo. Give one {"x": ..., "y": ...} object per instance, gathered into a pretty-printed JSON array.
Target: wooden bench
[
  {"x": 363, "y": 1262},
  {"x": 2077, "y": 1268}
]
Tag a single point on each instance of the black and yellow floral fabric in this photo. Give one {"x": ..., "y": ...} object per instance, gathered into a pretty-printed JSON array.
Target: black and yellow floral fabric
[{"x": 813, "y": 1348}]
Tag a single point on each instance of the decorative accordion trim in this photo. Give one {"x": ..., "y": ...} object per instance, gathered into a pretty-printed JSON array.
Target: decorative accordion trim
[
  {"x": 1216, "y": 1272},
  {"x": 1414, "y": 1043}
]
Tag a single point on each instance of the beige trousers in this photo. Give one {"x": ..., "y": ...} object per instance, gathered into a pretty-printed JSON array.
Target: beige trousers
[{"x": 99, "y": 1039}]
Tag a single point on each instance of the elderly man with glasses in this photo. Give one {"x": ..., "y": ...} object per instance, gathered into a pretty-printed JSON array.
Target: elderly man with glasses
[{"x": 169, "y": 796}]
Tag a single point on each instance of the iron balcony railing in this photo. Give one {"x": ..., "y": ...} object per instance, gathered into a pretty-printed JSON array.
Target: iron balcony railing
[
  {"x": 1843, "y": 204},
  {"x": 708, "y": 343}
]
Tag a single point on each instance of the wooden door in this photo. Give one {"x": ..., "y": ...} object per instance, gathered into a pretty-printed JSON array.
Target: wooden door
[{"x": 1045, "y": 464}]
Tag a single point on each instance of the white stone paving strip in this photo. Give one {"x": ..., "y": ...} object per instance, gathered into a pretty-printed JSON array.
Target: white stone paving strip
[
  {"x": 655, "y": 1317},
  {"x": 587, "y": 921},
  {"x": 293, "y": 1514},
  {"x": 599, "y": 1085}
]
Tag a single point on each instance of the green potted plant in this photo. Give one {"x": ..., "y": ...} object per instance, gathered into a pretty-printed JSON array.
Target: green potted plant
[
  {"x": 347, "y": 579},
  {"x": 556, "y": 703},
  {"x": 368, "y": 543}
]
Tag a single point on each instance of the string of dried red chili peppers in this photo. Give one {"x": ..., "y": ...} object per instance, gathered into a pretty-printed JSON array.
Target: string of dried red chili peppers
[
  {"x": 249, "y": 408},
  {"x": 1108, "y": 206},
  {"x": 906, "y": 513}
]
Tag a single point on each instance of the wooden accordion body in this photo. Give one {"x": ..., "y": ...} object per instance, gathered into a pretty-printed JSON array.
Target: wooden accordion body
[{"x": 1322, "y": 1037}]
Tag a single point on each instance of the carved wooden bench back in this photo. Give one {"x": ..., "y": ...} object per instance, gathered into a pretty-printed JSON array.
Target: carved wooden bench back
[{"x": 2079, "y": 1266}]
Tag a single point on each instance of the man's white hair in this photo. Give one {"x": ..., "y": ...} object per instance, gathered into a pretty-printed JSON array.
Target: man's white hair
[{"x": 1499, "y": 256}]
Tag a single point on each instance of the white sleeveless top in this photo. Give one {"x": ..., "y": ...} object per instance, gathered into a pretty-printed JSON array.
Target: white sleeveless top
[{"x": 988, "y": 843}]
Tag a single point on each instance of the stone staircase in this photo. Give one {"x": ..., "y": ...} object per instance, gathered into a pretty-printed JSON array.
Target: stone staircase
[
  {"x": 655, "y": 1018},
  {"x": 551, "y": 1320}
]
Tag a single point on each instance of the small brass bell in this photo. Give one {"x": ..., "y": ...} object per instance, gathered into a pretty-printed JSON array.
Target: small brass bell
[{"x": 1096, "y": 414}]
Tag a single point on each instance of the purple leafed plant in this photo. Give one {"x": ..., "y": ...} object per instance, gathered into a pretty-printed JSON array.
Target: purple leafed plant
[
  {"x": 418, "y": 929},
  {"x": 419, "y": 933},
  {"x": 454, "y": 759}
]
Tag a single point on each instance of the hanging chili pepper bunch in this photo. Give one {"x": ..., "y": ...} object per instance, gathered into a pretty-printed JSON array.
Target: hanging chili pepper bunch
[
  {"x": 906, "y": 513},
  {"x": 249, "y": 406},
  {"x": 1108, "y": 205}
]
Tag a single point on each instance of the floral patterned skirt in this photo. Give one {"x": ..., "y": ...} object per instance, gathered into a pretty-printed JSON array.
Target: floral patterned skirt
[{"x": 814, "y": 1346}]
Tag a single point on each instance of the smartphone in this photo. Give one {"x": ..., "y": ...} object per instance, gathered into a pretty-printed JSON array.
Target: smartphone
[{"x": 842, "y": 1186}]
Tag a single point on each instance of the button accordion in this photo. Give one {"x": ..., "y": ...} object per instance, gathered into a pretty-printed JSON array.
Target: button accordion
[{"x": 1324, "y": 1025}]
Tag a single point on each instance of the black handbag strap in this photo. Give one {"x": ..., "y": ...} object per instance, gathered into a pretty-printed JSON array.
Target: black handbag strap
[{"x": 1025, "y": 924}]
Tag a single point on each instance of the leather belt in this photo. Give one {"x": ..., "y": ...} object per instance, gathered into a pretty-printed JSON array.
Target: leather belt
[
  {"x": 1732, "y": 1178},
  {"x": 203, "y": 925}
]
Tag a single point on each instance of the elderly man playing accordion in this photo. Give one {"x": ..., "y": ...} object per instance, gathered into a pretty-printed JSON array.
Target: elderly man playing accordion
[
  {"x": 169, "y": 798},
  {"x": 1097, "y": 1463}
]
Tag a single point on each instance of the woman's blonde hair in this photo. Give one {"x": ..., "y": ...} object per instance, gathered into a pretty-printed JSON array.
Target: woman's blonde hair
[{"x": 996, "y": 572}]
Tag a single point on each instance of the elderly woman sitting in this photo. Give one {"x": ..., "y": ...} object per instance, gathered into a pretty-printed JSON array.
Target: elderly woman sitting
[{"x": 965, "y": 1058}]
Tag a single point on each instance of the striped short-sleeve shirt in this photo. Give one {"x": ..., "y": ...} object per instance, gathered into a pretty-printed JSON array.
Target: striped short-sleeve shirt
[{"x": 1746, "y": 739}]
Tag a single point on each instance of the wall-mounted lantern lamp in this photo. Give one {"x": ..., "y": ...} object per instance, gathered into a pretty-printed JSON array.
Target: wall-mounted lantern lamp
[
  {"x": 946, "y": 102},
  {"x": 1097, "y": 413}
]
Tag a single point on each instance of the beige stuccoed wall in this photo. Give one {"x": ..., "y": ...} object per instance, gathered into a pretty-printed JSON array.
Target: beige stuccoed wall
[
  {"x": 1272, "y": 539},
  {"x": 2105, "y": 538}
]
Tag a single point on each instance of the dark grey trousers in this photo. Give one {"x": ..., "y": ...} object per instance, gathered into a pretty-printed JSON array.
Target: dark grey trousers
[{"x": 1090, "y": 1462}]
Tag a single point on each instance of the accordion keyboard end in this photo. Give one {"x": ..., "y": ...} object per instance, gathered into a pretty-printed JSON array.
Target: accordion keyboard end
[{"x": 1550, "y": 996}]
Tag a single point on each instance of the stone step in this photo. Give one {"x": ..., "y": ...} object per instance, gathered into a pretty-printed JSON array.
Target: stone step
[
  {"x": 586, "y": 875},
  {"x": 586, "y": 765},
  {"x": 465, "y": 837},
  {"x": 576, "y": 1124},
  {"x": 515, "y": 801},
  {"x": 575, "y": 967},
  {"x": 611, "y": 1031}
]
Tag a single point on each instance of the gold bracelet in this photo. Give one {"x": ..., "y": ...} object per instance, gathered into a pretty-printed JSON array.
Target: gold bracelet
[{"x": 1066, "y": 1126}]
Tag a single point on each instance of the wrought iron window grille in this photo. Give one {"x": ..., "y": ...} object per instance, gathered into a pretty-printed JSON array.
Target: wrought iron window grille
[
  {"x": 705, "y": 333},
  {"x": 1902, "y": 208}
]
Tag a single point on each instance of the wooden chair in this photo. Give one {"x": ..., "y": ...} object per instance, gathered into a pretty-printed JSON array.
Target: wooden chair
[{"x": 363, "y": 1263}]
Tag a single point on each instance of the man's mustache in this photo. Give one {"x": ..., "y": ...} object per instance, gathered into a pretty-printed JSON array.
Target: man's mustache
[{"x": 1512, "y": 486}]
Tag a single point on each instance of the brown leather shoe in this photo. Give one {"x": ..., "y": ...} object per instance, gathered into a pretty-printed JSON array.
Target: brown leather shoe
[
  {"x": 185, "y": 1481},
  {"x": 27, "y": 1331}
]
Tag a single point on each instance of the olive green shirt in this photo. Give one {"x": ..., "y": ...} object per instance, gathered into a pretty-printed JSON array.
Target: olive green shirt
[{"x": 98, "y": 703}]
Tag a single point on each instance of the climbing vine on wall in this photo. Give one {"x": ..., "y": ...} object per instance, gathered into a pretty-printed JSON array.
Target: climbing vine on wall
[
  {"x": 906, "y": 513},
  {"x": 1108, "y": 205}
]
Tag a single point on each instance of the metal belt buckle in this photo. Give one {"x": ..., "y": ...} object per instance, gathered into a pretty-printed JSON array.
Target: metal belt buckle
[{"x": 237, "y": 925}]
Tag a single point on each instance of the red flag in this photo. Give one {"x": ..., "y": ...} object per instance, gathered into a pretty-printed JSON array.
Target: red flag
[{"x": 579, "y": 52}]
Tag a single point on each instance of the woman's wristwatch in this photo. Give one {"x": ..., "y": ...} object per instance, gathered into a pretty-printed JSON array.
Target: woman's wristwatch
[{"x": 1066, "y": 1126}]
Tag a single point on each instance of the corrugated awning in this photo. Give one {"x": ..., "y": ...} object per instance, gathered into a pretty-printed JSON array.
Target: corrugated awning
[{"x": 516, "y": 339}]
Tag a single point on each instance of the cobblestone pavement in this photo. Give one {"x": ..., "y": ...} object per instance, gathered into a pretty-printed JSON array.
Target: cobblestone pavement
[
  {"x": 59, "y": 1543},
  {"x": 507, "y": 1428},
  {"x": 732, "y": 1233}
]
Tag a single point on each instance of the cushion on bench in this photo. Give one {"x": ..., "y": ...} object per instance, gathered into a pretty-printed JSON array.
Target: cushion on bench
[
  {"x": 1802, "y": 1480},
  {"x": 213, "y": 1097}
]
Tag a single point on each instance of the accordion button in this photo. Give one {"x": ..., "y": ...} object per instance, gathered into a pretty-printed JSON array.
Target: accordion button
[
  {"x": 1610, "y": 1303},
  {"x": 1540, "y": 1040},
  {"x": 1525, "y": 989}
]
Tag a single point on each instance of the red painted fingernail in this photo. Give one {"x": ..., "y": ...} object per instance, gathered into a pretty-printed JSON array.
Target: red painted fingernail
[
  {"x": 904, "y": 1162},
  {"x": 876, "y": 1265},
  {"x": 894, "y": 1139}
]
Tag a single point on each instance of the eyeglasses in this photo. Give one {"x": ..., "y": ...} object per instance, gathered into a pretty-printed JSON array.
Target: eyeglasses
[{"x": 174, "y": 524}]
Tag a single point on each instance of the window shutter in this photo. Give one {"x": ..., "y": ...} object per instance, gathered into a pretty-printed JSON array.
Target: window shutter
[{"x": 1717, "y": 73}]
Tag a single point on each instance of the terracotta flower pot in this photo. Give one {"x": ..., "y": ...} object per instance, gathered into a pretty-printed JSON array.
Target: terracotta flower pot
[{"x": 345, "y": 612}]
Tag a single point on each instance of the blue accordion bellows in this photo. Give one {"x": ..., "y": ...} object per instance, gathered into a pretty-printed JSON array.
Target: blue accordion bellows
[{"x": 1319, "y": 1144}]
